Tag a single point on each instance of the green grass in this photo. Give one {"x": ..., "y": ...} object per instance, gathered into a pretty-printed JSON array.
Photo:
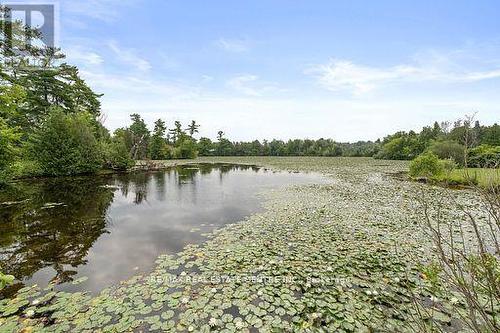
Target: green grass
[{"x": 482, "y": 177}]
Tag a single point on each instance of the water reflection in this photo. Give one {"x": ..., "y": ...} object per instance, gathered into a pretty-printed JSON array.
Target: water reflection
[{"x": 110, "y": 227}]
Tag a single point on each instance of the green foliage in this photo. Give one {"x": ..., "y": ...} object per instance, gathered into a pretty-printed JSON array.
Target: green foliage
[
  {"x": 449, "y": 150},
  {"x": 490, "y": 135},
  {"x": 8, "y": 139},
  {"x": 296, "y": 147},
  {"x": 484, "y": 156},
  {"x": 34, "y": 83},
  {"x": 176, "y": 133},
  {"x": 185, "y": 149},
  {"x": 66, "y": 144},
  {"x": 5, "y": 280},
  {"x": 158, "y": 148},
  {"x": 193, "y": 128},
  {"x": 139, "y": 136},
  {"x": 426, "y": 165},
  {"x": 401, "y": 146},
  {"x": 25, "y": 167},
  {"x": 430, "y": 273},
  {"x": 224, "y": 147},
  {"x": 205, "y": 147},
  {"x": 10, "y": 135},
  {"x": 116, "y": 155},
  {"x": 48, "y": 82}
]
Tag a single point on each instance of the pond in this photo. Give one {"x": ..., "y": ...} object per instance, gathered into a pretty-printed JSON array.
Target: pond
[{"x": 109, "y": 228}]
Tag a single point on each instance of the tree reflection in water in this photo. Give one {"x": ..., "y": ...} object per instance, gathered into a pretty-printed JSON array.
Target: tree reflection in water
[
  {"x": 105, "y": 226},
  {"x": 54, "y": 224}
]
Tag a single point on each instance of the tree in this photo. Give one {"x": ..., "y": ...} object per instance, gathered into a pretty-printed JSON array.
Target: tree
[
  {"x": 177, "y": 133},
  {"x": 185, "y": 149},
  {"x": 193, "y": 128},
  {"x": 224, "y": 148},
  {"x": 140, "y": 137},
  {"x": 449, "y": 150},
  {"x": 484, "y": 156},
  {"x": 66, "y": 144},
  {"x": 490, "y": 135},
  {"x": 47, "y": 83},
  {"x": 11, "y": 97},
  {"x": 158, "y": 148},
  {"x": 116, "y": 154},
  {"x": 205, "y": 147}
]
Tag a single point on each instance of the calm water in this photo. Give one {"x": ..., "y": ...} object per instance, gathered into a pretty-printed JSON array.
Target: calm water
[{"x": 110, "y": 228}]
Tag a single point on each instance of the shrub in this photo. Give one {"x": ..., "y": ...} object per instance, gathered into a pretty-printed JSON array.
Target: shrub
[
  {"x": 484, "y": 156},
  {"x": 9, "y": 137},
  {"x": 449, "y": 150},
  {"x": 185, "y": 149},
  {"x": 158, "y": 149},
  {"x": 448, "y": 165},
  {"x": 66, "y": 145},
  {"x": 426, "y": 165},
  {"x": 25, "y": 167},
  {"x": 116, "y": 154},
  {"x": 401, "y": 146}
]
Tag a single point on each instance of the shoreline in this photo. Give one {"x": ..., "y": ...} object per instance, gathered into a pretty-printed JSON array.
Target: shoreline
[{"x": 355, "y": 235}]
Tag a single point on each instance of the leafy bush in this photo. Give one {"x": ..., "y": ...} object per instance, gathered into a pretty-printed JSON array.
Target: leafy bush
[
  {"x": 158, "y": 149},
  {"x": 66, "y": 145},
  {"x": 426, "y": 165},
  {"x": 24, "y": 167},
  {"x": 10, "y": 134},
  {"x": 448, "y": 165},
  {"x": 484, "y": 156},
  {"x": 8, "y": 138},
  {"x": 116, "y": 154},
  {"x": 185, "y": 149},
  {"x": 449, "y": 150},
  {"x": 401, "y": 146}
]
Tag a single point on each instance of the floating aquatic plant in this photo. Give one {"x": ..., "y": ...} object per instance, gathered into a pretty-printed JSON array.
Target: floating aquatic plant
[{"x": 338, "y": 256}]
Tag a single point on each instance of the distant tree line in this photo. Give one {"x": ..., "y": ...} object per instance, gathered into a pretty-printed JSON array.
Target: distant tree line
[
  {"x": 459, "y": 141},
  {"x": 446, "y": 140},
  {"x": 50, "y": 124},
  {"x": 296, "y": 147}
]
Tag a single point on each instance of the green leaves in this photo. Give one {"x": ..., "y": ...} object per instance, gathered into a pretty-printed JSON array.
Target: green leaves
[
  {"x": 322, "y": 257},
  {"x": 5, "y": 280},
  {"x": 66, "y": 144}
]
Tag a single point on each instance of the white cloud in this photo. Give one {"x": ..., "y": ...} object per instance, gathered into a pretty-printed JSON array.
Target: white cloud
[
  {"x": 240, "y": 83},
  {"x": 129, "y": 56},
  {"x": 132, "y": 86},
  {"x": 342, "y": 120},
  {"x": 233, "y": 45},
  {"x": 337, "y": 75},
  {"x": 79, "y": 55},
  {"x": 285, "y": 116},
  {"x": 251, "y": 85}
]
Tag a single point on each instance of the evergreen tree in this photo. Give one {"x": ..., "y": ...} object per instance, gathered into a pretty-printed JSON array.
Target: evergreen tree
[
  {"x": 139, "y": 137},
  {"x": 193, "y": 128},
  {"x": 158, "y": 148}
]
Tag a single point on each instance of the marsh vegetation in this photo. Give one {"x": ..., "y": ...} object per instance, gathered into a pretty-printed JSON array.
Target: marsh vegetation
[
  {"x": 308, "y": 235},
  {"x": 351, "y": 254}
]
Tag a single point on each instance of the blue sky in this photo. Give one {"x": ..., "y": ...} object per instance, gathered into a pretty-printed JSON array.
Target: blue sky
[{"x": 347, "y": 70}]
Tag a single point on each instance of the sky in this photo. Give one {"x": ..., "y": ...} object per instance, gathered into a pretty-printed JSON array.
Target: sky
[{"x": 263, "y": 69}]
